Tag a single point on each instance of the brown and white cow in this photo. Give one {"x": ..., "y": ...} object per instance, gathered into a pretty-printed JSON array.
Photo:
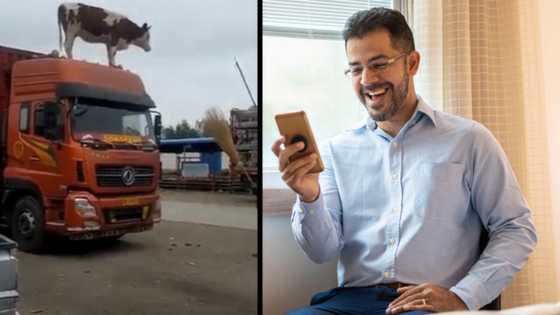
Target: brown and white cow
[{"x": 97, "y": 25}]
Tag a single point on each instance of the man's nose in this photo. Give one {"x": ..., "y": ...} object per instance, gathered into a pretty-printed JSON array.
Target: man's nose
[{"x": 369, "y": 76}]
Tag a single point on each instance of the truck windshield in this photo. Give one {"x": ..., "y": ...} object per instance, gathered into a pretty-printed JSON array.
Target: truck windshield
[{"x": 101, "y": 121}]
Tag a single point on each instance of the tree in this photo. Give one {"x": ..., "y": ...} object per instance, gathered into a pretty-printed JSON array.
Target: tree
[{"x": 180, "y": 131}]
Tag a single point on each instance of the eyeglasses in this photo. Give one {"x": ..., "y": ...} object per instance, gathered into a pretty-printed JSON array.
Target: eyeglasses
[{"x": 376, "y": 65}]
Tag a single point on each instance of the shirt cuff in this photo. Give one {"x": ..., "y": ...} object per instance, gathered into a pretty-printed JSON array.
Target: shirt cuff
[
  {"x": 472, "y": 291},
  {"x": 303, "y": 209}
]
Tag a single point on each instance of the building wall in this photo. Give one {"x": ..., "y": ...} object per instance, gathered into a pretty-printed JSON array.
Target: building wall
[{"x": 169, "y": 161}]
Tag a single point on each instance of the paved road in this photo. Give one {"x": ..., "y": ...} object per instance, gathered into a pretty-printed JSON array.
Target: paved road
[
  {"x": 178, "y": 268},
  {"x": 208, "y": 208}
]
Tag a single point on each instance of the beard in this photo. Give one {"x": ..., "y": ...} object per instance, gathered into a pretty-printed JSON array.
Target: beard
[{"x": 389, "y": 106}]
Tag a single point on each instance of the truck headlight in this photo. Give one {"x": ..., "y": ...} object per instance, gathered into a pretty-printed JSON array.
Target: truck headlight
[
  {"x": 86, "y": 209},
  {"x": 156, "y": 213},
  {"x": 157, "y": 206}
]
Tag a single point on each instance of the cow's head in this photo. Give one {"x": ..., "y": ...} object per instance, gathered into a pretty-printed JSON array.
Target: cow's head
[{"x": 144, "y": 40}]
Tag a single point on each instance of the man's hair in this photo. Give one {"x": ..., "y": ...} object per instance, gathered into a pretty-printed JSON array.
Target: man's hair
[{"x": 365, "y": 21}]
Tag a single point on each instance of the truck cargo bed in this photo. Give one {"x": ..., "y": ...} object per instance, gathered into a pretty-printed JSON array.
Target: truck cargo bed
[{"x": 8, "y": 56}]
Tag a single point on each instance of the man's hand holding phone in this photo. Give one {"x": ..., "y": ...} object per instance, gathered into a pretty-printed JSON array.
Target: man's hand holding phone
[{"x": 295, "y": 173}]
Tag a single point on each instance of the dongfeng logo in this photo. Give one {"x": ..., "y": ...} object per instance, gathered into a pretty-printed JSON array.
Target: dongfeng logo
[{"x": 128, "y": 176}]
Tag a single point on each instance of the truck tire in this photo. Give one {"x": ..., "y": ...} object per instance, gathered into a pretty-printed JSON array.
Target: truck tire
[{"x": 28, "y": 225}]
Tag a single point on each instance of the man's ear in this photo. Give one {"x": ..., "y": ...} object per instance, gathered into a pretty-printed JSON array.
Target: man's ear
[{"x": 413, "y": 62}]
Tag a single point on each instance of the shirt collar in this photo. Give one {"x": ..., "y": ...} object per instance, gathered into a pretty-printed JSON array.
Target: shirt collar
[
  {"x": 422, "y": 107},
  {"x": 426, "y": 109},
  {"x": 365, "y": 122}
]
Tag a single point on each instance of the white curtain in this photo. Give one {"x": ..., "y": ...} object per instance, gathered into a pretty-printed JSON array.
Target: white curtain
[{"x": 480, "y": 59}]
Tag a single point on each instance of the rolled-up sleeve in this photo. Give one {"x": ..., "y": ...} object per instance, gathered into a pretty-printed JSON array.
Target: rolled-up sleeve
[
  {"x": 497, "y": 198},
  {"x": 316, "y": 226}
]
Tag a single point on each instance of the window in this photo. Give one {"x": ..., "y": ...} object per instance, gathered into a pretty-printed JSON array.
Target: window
[
  {"x": 48, "y": 121},
  {"x": 88, "y": 118},
  {"x": 135, "y": 124},
  {"x": 303, "y": 69},
  {"x": 24, "y": 118},
  {"x": 39, "y": 122},
  {"x": 301, "y": 74},
  {"x": 312, "y": 18}
]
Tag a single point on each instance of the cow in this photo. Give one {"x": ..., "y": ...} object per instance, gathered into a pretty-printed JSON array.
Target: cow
[{"x": 97, "y": 25}]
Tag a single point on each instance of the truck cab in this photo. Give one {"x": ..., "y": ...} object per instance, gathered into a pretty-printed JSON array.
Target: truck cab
[{"x": 81, "y": 152}]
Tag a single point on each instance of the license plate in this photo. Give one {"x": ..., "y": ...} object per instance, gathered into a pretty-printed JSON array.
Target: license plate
[{"x": 131, "y": 202}]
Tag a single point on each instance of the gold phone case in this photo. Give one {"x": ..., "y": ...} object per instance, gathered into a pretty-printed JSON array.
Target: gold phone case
[{"x": 295, "y": 127}]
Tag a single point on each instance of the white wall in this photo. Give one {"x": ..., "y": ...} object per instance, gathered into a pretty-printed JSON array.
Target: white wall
[
  {"x": 549, "y": 25},
  {"x": 289, "y": 278},
  {"x": 169, "y": 161}
]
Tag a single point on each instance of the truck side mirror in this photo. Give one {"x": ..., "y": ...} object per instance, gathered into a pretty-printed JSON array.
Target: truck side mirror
[{"x": 157, "y": 127}]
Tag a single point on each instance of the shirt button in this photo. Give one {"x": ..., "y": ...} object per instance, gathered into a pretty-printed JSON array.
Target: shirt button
[
  {"x": 395, "y": 145},
  {"x": 395, "y": 176},
  {"x": 386, "y": 274},
  {"x": 395, "y": 210},
  {"x": 392, "y": 242}
]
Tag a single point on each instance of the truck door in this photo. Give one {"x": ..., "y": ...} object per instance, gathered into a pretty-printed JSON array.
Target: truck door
[{"x": 49, "y": 163}]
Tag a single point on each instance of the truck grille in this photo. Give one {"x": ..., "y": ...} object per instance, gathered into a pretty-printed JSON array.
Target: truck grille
[{"x": 112, "y": 176}]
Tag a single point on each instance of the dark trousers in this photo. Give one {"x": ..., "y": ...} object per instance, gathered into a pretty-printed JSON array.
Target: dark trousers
[{"x": 352, "y": 301}]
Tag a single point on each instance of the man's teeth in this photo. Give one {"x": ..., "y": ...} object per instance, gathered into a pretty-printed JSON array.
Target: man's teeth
[{"x": 377, "y": 91}]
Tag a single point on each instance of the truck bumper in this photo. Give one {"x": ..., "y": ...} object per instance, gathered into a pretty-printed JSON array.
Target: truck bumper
[{"x": 87, "y": 216}]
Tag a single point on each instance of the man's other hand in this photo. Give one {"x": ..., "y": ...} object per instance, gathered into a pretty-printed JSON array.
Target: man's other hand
[
  {"x": 426, "y": 297},
  {"x": 296, "y": 173}
]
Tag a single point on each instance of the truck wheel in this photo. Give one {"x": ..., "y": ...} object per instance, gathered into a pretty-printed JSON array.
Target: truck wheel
[{"x": 28, "y": 228}]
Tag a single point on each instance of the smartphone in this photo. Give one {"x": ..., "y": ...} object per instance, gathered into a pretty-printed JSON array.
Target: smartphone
[{"x": 295, "y": 128}]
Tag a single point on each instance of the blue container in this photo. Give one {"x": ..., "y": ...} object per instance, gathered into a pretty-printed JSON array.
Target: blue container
[{"x": 214, "y": 161}]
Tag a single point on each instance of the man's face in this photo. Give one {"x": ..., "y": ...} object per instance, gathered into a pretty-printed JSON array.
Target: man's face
[{"x": 381, "y": 91}]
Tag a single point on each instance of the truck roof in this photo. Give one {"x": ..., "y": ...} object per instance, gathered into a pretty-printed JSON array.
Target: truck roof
[
  {"x": 34, "y": 72},
  {"x": 58, "y": 70}
]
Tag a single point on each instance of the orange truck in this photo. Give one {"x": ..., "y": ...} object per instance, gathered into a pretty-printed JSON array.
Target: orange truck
[{"x": 78, "y": 150}]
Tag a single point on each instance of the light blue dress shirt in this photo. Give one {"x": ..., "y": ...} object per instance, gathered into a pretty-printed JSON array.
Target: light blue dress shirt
[{"x": 411, "y": 208}]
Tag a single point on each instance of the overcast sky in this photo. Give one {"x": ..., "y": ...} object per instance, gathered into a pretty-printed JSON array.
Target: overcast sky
[{"x": 191, "y": 66}]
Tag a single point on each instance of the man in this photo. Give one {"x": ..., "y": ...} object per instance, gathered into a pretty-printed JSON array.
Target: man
[{"x": 407, "y": 194}]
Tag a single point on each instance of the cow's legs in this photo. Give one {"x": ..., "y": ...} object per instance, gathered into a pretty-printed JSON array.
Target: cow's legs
[
  {"x": 111, "y": 53},
  {"x": 68, "y": 44}
]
